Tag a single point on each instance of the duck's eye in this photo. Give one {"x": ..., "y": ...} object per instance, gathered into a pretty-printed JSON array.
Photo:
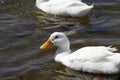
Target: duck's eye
[{"x": 56, "y": 37}]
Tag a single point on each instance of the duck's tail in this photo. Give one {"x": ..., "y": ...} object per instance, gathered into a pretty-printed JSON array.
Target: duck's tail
[
  {"x": 112, "y": 49},
  {"x": 116, "y": 59}
]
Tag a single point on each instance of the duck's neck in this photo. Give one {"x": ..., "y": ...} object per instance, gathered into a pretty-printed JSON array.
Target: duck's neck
[
  {"x": 61, "y": 53},
  {"x": 40, "y": 1},
  {"x": 61, "y": 50}
]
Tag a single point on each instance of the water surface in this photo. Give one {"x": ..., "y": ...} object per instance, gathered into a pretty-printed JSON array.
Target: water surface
[{"x": 23, "y": 28}]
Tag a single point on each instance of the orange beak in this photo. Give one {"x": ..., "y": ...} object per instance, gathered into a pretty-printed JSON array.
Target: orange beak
[{"x": 46, "y": 44}]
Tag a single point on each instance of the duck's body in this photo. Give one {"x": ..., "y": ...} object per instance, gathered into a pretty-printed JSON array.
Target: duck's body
[
  {"x": 64, "y": 7},
  {"x": 95, "y": 59}
]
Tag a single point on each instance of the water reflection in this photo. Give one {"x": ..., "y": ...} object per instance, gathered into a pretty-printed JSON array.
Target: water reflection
[
  {"x": 69, "y": 74},
  {"x": 53, "y": 18}
]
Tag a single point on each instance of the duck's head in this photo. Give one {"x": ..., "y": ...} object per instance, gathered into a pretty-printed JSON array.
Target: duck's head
[{"x": 58, "y": 39}]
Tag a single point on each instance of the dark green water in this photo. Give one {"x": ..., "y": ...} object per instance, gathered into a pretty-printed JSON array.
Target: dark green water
[{"x": 23, "y": 28}]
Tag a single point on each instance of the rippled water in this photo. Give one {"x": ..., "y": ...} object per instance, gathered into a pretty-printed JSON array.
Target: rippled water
[{"x": 23, "y": 28}]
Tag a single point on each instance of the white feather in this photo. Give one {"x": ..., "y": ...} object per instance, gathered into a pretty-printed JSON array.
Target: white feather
[{"x": 64, "y": 7}]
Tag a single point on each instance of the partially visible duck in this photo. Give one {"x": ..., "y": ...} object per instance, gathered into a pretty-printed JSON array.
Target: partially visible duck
[{"x": 74, "y": 8}]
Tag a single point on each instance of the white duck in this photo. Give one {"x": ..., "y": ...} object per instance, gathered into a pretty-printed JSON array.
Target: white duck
[
  {"x": 74, "y": 8},
  {"x": 94, "y": 59}
]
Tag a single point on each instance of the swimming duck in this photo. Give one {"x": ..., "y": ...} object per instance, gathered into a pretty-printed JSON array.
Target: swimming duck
[
  {"x": 93, "y": 59},
  {"x": 74, "y": 8}
]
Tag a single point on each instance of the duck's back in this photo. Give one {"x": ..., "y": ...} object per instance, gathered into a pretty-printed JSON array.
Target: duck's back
[
  {"x": 94, "y": 59},
  {"x": 93, "y": 53}
]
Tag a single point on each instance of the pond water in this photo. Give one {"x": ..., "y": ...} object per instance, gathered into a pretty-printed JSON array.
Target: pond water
[{"x": 23, "y": 28}]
